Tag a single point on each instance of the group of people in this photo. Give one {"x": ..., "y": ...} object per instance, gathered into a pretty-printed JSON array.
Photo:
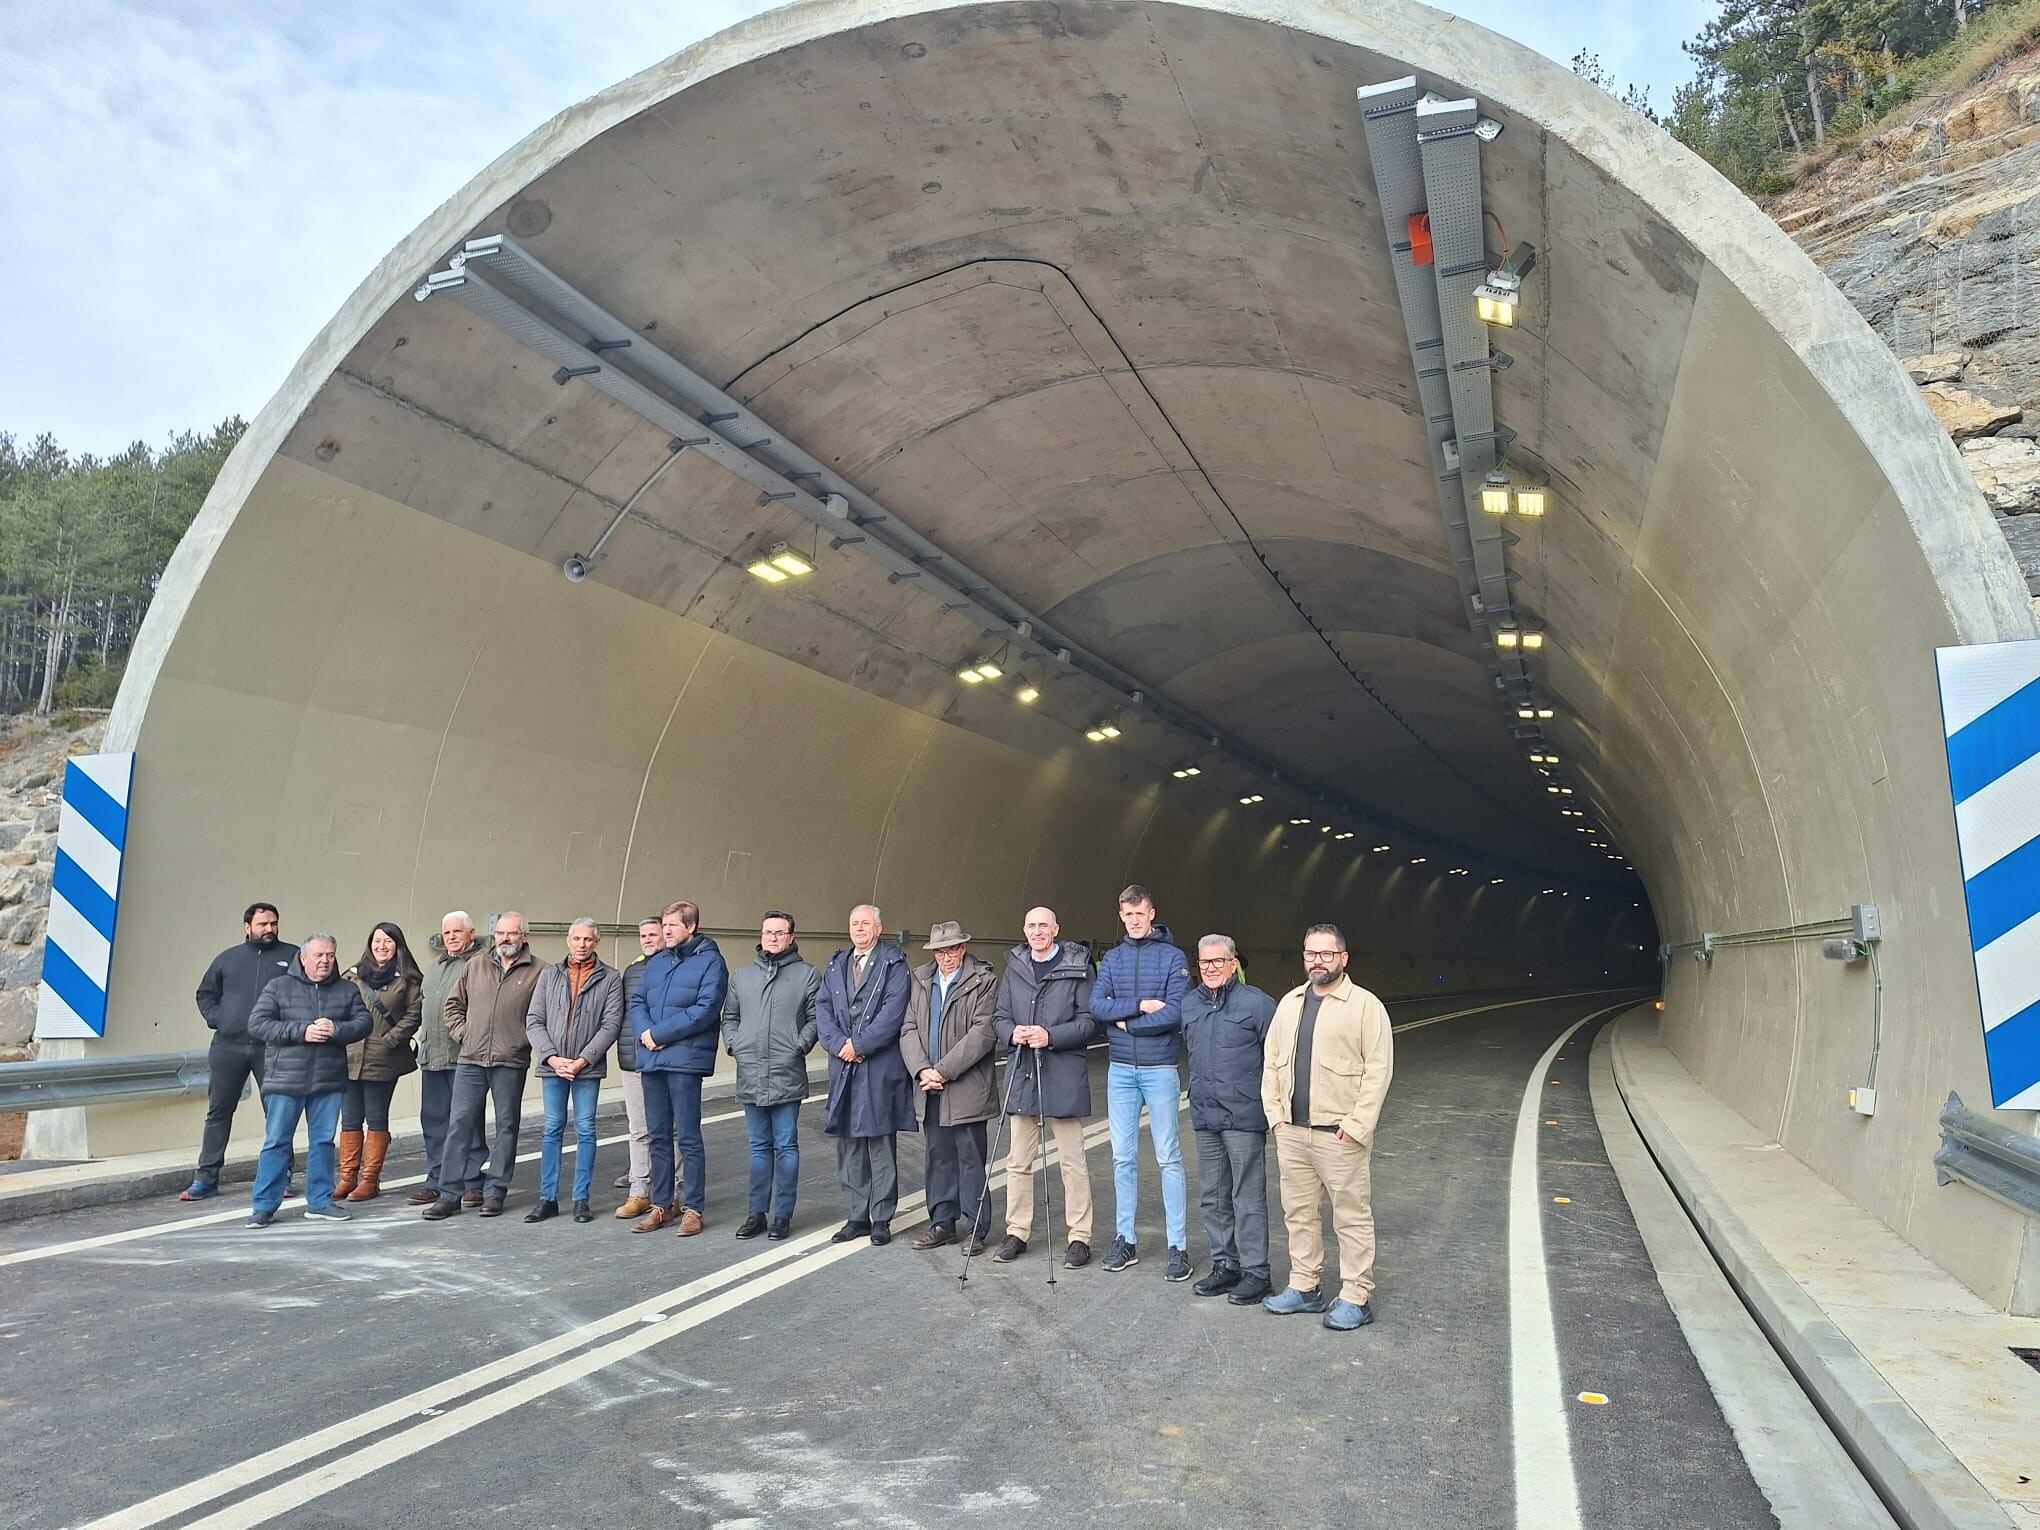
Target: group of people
[{"x": 910, "y": 1049}]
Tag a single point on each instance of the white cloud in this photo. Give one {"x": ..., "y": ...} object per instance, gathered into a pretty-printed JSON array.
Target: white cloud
[{"x": 187, "y": 194}]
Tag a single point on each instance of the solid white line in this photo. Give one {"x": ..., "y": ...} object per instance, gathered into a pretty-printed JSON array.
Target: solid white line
[{"x": 1547, "y": 1492}]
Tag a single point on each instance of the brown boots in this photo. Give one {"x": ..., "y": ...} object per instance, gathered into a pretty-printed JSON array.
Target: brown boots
[
  {"x": 374, "y": 1151},
  {"x": 350, "y": 1165}
]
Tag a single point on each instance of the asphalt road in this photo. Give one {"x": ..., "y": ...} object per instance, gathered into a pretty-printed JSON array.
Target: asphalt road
[{"x": 389, "y": 1370}]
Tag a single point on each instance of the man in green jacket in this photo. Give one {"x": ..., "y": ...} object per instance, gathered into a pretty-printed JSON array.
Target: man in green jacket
[
  {"x": 438, "y": 1053},
  {"x": 768, "y": 1026}
]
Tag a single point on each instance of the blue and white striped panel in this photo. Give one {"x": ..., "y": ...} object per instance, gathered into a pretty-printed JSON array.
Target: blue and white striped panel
[
  {"x": 1990, "y": 712},
  {"x": 84, "y": 895}
]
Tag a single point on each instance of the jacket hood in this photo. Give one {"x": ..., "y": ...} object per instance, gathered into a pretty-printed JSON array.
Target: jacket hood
[
  {"x": 785, "y": 958},
  {"x": 1073, "y": 955},
  {"x": 1158, "y": 934},
  {"x": 693, "y": 945},
  {"x": 297, "y": 970}
]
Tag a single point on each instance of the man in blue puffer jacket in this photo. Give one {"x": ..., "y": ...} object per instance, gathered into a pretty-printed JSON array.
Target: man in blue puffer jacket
[
  {"x": 676, "y": 1018},
  {"x": 1138, "y": 998}
]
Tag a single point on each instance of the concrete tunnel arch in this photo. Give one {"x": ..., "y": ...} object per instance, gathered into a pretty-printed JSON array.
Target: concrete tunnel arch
[{"x": 1097, "y": 297}]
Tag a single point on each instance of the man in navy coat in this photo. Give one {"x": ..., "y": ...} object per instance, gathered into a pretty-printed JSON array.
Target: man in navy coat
[{"x": 871, "y": 1100}]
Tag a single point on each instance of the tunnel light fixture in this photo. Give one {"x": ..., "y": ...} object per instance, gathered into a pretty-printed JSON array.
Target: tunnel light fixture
[
  {"x": 1418, "y": 860},
  {"x": 767, "y": 570},
  {"x": 1324, "y": 828},
  {"x": 1298, "y": 822},
  {"x": 779, "y": 563},
  {"x": 1531, "y": 501},
  {"x": 1494, "y": 493},
  {"x": 1533, "y": 639},
  {"x": 1527, "y": 714},
  {"x": 1343, "y": 834},
  {"x": 1251, "y": 798},
  {"x": 1494, "y": 881},
  {"x": 1456, "y": 871},
  {"x": 1495, "y": 304},
  {"x": 1185, "y": 772},
  {"x": 1382, "y": 849},
  {"x": 1103, "y": 731},
  {"x": 1507, "y": 637},
  {"x": 1027, "y": 693},
  {"x": 1545, "y": 714},
  {"x": 1552, "y": 789}
]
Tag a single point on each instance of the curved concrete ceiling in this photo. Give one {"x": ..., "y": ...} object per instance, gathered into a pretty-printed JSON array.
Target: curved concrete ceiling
[{"x": 1097, "y": 298}]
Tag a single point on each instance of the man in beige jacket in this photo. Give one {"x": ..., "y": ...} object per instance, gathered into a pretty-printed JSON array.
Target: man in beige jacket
[{"x": 1325, "y": 1073}]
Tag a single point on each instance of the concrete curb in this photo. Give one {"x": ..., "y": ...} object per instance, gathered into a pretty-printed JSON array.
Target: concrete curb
[
  {"x": 1920, "y": 1479},
  {"x": 147, "y": 1176}
]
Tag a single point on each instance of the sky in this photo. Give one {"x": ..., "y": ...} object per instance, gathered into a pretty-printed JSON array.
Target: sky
[{"x": 189, "y": 192}]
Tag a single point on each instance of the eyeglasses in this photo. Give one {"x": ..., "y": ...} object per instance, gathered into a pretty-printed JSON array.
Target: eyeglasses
[
  {"x": 1321, "y": 956},
  {"x": 1216, "y": 961}
]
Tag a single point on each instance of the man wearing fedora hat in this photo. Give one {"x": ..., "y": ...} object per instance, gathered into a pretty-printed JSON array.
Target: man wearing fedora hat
[{"x": 949, "y": 1048}]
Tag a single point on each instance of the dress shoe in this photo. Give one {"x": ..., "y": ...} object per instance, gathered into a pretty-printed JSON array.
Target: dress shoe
[
  {"x": 973, "y": 1245},
  {"x": 690, "y": 1222},
  {"x": 881, "y": 1233},
  {"x": 422, "y": 1196},
  {"x": 1077, "y": 1255},
  {"x": 1345, "y": 1316},
  {"x": 441, "y": 1209},
  {"x": 936, "y": 1236},
  {"x": 544, "y": 1211},
  {"x": 583, "y": 1212},
  {"x": 621, "y": 1182},
  {"x": 492, "y": 1206},
  {"x": 848, "y": 1231},
  {"x": 636, "y": 1206},
  {"x": 471, "y": 1198},
  {"x": 780, "y": 1230},
  {"x": 1249, "y": 1291},
  {"x": 753, "y": 1225},
  {"x": 1223, "y": 1278},
  {"x": 660, "y": 1216}
]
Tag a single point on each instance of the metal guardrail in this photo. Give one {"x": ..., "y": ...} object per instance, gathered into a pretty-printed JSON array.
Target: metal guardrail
[
  {"x": 1988, "y": 1156},
  {"x": 56, "y": 1082}
]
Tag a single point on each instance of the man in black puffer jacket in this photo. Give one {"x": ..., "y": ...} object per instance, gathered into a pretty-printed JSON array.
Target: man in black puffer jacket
[
  {"x": 226, "y": 994},
  {"x": 305, "y": 1020},
  {"x": 1225, "y": 1023}
]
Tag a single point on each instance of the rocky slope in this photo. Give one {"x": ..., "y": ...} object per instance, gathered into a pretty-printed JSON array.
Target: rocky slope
[
  {"x": 32, "y": 758},
  {"x": 1932, "y": 229}
]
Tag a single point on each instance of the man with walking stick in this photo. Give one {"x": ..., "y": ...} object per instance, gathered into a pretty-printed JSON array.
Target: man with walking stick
[
  {"x": 949, "y": 1049},
  {"x": 1043, "y": 1015}
]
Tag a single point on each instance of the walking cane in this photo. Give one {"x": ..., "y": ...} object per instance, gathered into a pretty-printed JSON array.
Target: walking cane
[
  {"x": 985, "y": 1195},
  {"x": 1041, "y": 1157}
]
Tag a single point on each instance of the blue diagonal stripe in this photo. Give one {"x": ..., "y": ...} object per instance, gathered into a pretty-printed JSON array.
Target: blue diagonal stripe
[
  {"x": 2003, "y": 738},
  {"x": 102, "y": 812},
  {"x": 71, "y": 985},
  {"x": 2004, "y": 895},
  {"x": 83, "y": 894},
  {"x": 2012, "y": 1049}
]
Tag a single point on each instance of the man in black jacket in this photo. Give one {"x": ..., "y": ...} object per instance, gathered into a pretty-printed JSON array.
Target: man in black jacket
[
  {"x": 1043, "y": 1015},
  {"x": 1225, "y": 1023},
  {"x": 226, "y": 994},
  {"x": 306, "y": 1020}
]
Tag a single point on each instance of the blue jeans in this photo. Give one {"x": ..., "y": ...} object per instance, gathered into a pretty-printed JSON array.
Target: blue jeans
[
  {"x": 280, "y": 1113},
  {"x": 1127, "y": 1088},
  {"x": 556, "y": 1092},
  {"x": 775, "y": 1145},
  {"x": 673, "y": 1105}
]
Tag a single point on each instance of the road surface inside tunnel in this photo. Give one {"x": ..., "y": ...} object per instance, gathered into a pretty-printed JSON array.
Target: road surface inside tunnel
[{"x": 363, "y": 1374}]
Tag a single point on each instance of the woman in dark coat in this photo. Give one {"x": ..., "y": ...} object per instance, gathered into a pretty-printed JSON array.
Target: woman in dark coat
[{"x": 390, "y": 985}]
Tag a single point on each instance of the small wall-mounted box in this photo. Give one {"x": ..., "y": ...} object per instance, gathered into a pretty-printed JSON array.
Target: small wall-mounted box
[
  {"x": 1863, "y": 1101},
  {"x": 1864, "y": 923}
]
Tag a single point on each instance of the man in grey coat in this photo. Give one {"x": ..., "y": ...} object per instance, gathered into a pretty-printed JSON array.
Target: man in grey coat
[
  {"x": 768, "y": 1026},
  {"x": 1225, "y": 1023},
  {"x": 1043, "y": 1014},
  {"x": 949, "y": 1047},
  {"x": 438, "y": 1055},
  {"x": 576, "y": 1013}
]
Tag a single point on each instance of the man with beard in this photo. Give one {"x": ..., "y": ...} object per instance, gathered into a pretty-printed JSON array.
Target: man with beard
[
  {"x": 486, "y": 1014},
  {"x": 226, "y": 994},
  {"x": 768, "y": 1026},
  {"x": 1329, "y": 1057}
]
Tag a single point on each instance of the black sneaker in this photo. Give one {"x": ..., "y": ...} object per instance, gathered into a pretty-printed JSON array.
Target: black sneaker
[
  {"x": 781, "y": 1228},
  {"x": 1179, "y": 1265},
  {"x": 1009, "y": 1249},
  {"x": 1077, "y": 1255},
  {"x": 1249, "y": 1291},
  {"x": 328, "y": 1213},
  {"x": 1122, "y": 1255},
  {"x": 544, "y": 1211},
  {"x": 1223, "y": 1278},
  {"x": 261, "y": 1218},
  {"x": 752, "y": 1225}
]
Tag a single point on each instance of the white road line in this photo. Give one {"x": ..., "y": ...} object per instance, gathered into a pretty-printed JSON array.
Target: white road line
[
  {"x": 1547, "y": 1492},
  {"x": 240, "y": 1214}
]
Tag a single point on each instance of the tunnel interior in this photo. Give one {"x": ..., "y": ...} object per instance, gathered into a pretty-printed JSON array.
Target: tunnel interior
[{"x": 1097, "y": 307}]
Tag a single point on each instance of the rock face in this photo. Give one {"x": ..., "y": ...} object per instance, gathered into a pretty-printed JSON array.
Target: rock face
[
  {"x": 1932, "y": 229},
  {"x": 32, "y": 758}
]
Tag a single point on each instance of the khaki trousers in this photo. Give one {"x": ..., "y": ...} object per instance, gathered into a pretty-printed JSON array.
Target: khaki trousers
[
  {"x": 640, "y": 1135},
  {"x": 1312, "y": 1164},
  {"x": 1076, "y": 1175}
]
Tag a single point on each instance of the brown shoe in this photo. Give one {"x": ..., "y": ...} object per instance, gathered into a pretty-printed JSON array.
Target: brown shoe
[
  {"x": 472, "y": 1198},
  {"x": 690, "y": 1222},
  {"x": 350, "y": 1164},
  {"x": 374, "y": 1149},
  {"x": 938, "y": 1233},
  {"x": 636, "y": 1206},
  {"x": 660, "y": 1217},
  {"x": 422, "y": 1197}
]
